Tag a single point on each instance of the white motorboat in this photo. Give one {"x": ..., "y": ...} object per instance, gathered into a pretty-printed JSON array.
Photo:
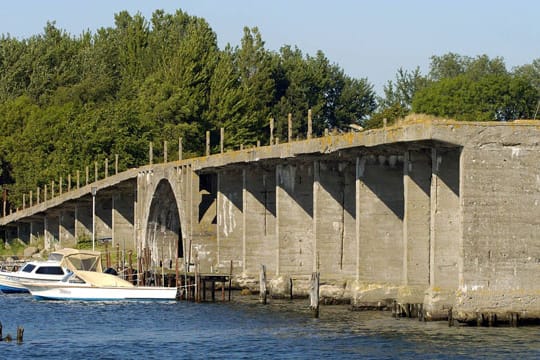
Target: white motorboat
[
  {"x": 59, "y": 264},
  {"x": 95, "y": 286}
]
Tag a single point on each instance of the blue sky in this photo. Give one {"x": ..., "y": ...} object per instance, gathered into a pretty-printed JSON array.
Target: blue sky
[{"x": 369, "y": 39}]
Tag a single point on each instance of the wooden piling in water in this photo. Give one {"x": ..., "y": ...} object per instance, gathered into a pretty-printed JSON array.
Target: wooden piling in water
[
  {"x": 230, "y": 280},
  {"x": 262, "y": 285},
  {"x": 513, "y": 318},
  {"x": 130, "y": 268},
  {"x": 223, "y": 291},
  {"x": 197, "y": 285},
  {"x": 314, "y": 294},
  {"x": 479, "y": 319},
  {"x": 20, "y": 332},
  {"x": 291, "y": 288},
  {"x": 120, "y": 265}
]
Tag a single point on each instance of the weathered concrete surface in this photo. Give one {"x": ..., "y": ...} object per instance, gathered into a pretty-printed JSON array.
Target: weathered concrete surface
[
  {"x": 67, "y": 228},
  {"x": 381, "y": 229},
  {"x": 500, "y": 200},
  {"x": 436, "y": 212},
  {"x": 259, "y": 202},
  {"x": 334, "y": 218}
]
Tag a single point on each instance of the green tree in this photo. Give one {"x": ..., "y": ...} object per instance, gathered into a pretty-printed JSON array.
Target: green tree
[
  {"x": 253, "y": 64},
  {"x": 493, "y": 97}
]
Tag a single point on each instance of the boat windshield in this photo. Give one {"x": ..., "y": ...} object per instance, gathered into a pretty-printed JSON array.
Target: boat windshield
[
  {"x": 50, "y": 270},
  {"x": 28, "y": 268}
]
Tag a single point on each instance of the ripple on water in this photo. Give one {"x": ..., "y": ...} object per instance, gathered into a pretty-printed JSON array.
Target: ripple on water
[{"x": 244, "y": 330}]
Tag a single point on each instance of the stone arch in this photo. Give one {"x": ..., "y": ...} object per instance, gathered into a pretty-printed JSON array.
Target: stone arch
[{"x": 163, "y": 231}]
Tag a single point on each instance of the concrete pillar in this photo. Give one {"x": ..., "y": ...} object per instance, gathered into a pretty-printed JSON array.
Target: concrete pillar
[
  {"x": 23, "y": 232},
  {"x": 445, "y": 219},
  {"x": 416, "y": 223},
  {"x": 103, "y": 216},
  {"x": 229, "y": 218},
  {"x": 259, "y": 203},
  {"x": 123, "y": 227},
  {"x": 201, "y": 209},
  {"x": 380, "y": 217},
  {"x": 51, "y": 229},
  {"x": 294, "y": 219},
  {"x": 83, "y": 221},
  {"x": 334, "y": 218},
  {"x": 445, "y": 231},
  {"x": 66, "y": 232},
  {"x": 36, "y": 231}
]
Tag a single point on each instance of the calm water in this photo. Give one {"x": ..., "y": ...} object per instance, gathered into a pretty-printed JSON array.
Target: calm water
[{"x": 242, "y": 330}]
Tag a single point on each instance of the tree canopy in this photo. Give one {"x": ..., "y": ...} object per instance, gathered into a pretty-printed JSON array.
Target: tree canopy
[
  {"x": 67, "y": 101},
  {"x": 464, "y": 88}
]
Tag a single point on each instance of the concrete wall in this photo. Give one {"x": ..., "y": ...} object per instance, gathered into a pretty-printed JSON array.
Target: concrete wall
[
  {"x": 230, "y": 221},
  {"x": 103, "y": 216},
  {"x": 67, "y": 228},
  {"x": 36, "y": 231},
  {"x": 416, "y": 224},
  {"x": 294, "y": 219},
  {"x": 445, "y": 231},
  {"x": 381, "y": 220},
  {"x": 501, "y": 211},
  {"x": 51, "y": 227},
  {"x": 334, "y": 219},
  {"x": 83, "y": 220},
  {"x": 123, "y": 219},
  {"x": 259, "y": 202}
]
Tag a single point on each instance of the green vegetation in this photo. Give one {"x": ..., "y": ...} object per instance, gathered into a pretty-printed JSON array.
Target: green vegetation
[
  {"x": 67, "y": 101},
  {"x": 13, "y": 248},
  {"x": 462, "y": 88}
]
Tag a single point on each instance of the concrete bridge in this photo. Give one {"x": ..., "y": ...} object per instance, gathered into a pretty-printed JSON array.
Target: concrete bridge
[{"x": 440, "y": 213}]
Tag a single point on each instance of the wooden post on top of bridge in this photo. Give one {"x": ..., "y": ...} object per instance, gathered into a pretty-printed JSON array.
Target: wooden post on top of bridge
[
  {"x": 106, "y": 167},
  {"x": 31, "y": 198},
  {"x": 45, "y": 192},
  {"x": 221, "y": 139},
  {"x": 289, "y": 128},
  {"x": 87, "y": 175},
  {"x": 4, "y": 201},
  {"x": 95, "y": 171},
  {"x": 52, "y": 189},
  {"x": 208, "y": 143},
  {"x": 180, "y": 149},
  {"x": 165, "y": 145},
  {"x": 78, "y": 179},
  {"x": 69, "y": 182},
  {"x": 271, "y": 131},
  {"x": 150, "y": 153},
  {"x": 38, "y": 195},
  {"x": 309, "y": 125},
  {"x": 115, "y": 164}
]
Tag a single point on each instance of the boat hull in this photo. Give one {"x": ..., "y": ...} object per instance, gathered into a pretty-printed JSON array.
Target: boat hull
[
  {"x": 12, "y": 288},
  {"x": 84, "y": 293}
]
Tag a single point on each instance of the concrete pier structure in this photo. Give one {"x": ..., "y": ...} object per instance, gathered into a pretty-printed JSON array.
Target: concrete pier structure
[{"x": 435, "y": 213}]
